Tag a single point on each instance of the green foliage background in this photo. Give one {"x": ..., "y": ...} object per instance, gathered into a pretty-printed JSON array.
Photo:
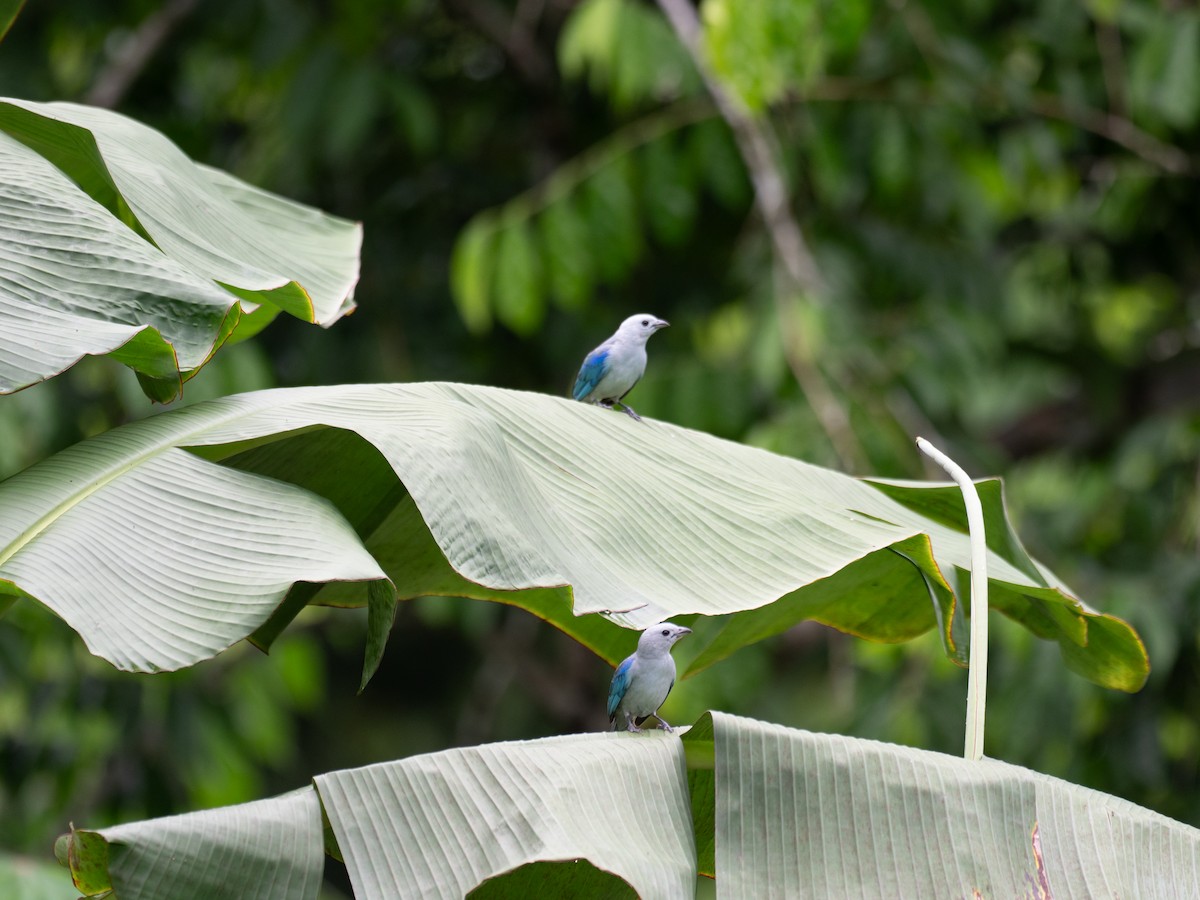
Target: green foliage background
[{"x": 1000, "y": 196}]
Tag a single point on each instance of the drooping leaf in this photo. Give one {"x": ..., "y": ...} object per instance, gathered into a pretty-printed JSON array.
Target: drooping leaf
[
  {"x": 79, "y": 282},
  {"x": 269, "y": 849},
  {"x": 1087, "y": 642},
  {"x": 501, "y": 495},
  {"x": 261, "y": 246},
  {"x": 108, "y": 224},
  {"x": 872, "y": 598},
  {"x": 158, "y": 558}
]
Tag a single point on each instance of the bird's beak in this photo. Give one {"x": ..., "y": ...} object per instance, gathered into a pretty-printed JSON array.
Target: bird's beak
[
  {"x": 661, "y": 323},
  {"x": 683, "y": 631}
]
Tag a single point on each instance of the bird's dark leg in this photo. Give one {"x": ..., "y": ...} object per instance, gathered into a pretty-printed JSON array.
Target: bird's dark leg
[
  {"x": 664, "y": 724},
  {"x": 629, "y": 411}
]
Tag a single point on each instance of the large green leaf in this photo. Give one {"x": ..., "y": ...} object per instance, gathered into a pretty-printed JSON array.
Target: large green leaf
[
  {"x": 269, "y": 849},
  {"x": 158, "y": 558},
  {"x": 440, "y": 824},
  {"x": 115, "y": 242},
  {"x": 799, "y": 814},
  {"x": 528, "y": 499},
  {"x": 773, "y": 812},
  {"x": 75, "y": 281}
]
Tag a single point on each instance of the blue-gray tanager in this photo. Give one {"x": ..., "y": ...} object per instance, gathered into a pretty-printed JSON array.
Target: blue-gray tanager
[
  {"x": 611, "y": 370},
  {"x": 642, "y": 682}
]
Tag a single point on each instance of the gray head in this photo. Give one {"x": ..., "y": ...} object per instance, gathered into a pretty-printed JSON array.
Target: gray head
[
  {"x": 638, "y": 329},
  {"x": 659, "y": 638}
]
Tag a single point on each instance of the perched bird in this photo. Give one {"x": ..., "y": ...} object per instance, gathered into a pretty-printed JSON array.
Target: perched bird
[
  {"x": 611, "y": 370},
  {"x": 642, "y": 682}
]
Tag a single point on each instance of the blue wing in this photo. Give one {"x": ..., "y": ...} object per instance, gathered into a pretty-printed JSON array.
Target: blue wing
[
  {"x": 593, "y": 369},
  {"x": 620, "y": 684}
]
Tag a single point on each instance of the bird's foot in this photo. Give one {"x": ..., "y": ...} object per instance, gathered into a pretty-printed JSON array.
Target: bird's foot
[
  {"x": 607, "y": 404},
  {"x": 632, "y": 727},
  {"x": 665, "y": 725},
  {"x": 629, "y": 412}
]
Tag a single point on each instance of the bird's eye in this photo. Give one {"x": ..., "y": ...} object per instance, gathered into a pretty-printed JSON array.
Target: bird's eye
[
  {"x": 666, "y": 631},
  {"x": 645, "y": 322}
]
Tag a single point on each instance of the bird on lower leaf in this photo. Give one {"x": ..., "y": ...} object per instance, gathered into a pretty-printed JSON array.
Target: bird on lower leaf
[
  {"x": 611, "y": 370},
  {"x": 641, "y": 683}
]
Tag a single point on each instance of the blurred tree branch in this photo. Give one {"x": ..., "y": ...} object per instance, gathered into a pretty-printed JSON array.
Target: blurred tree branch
[
  {"x": 135, "y": 53},
  {"x": 1112, "y": 62},
  {"x": 797, "y": 273},
  {"x": 1115, "y": 128},
  {"x": 1108, "y": 125},
  {"x": 756, "y": 146}
]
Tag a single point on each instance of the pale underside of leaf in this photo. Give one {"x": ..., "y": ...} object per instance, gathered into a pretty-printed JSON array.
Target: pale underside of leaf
[
  {"x": 647, "y": 521},
  {"x": 113, "y": 242},
  {"x": 642, "y": 520},
  {"x": 262, "y": 246},
  {"x": 491, "y": 493},
  {"x": 174, "y": 560},
  {"x": 268, "y": 849},
  {"x": 810, "y": 815},
  {"x": 75, "y": 281},
  {"x": 438, "y": 825},
  {"x": 772, "y": 812}
]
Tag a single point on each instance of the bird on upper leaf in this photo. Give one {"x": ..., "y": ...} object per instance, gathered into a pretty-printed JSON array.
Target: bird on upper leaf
[
  {"x": 642, "y": 682},
  {"x": 611, "y": 370}
]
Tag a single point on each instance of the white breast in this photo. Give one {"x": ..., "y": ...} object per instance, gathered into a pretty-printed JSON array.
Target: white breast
[
  {"x": 626, "y": 364},
  {"x": 650, "y": 684}
]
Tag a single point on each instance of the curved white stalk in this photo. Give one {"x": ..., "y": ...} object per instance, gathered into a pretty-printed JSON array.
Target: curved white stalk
[{"x": 977, "y": 674}]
